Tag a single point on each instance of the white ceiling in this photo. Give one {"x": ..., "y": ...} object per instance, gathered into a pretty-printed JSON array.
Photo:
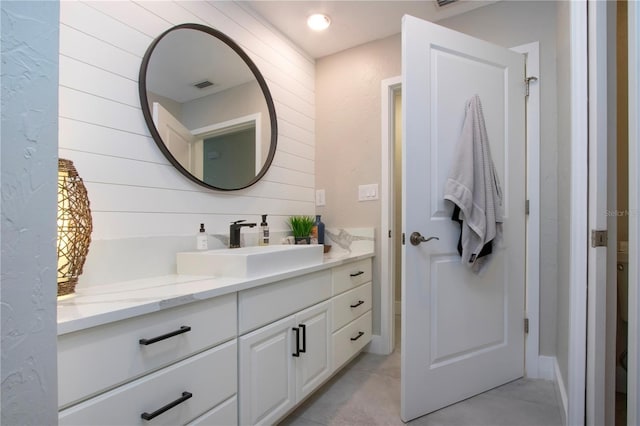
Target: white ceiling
[
  {"x": 173, "y": 70},
  {"x": 352, "y": 22}
]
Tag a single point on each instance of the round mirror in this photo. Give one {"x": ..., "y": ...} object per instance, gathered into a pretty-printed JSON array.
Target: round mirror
[{"x": 208, "y": 107}]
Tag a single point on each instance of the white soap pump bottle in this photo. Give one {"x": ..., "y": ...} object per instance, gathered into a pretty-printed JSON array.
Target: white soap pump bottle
[{"x": 202, "y": 242}]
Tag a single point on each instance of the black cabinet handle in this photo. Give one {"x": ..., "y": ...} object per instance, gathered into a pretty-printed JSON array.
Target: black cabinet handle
[
  {"x": 304, "y": 338},
  {"x": 360, "y": 334},
  {"x": 355, "y": 274},
  {"x": 182, "y": 329},
  {"x": 297, "y": 331},
  {"x": 169, "y": 406},
  {"x": 360, "y": 302}
]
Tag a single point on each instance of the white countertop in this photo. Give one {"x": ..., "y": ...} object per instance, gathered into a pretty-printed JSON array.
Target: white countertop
[{"x": 115, "y": 302}]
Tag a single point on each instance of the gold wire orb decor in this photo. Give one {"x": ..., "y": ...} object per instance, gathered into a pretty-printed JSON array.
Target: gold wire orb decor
[{"x": 74, "y": 226}]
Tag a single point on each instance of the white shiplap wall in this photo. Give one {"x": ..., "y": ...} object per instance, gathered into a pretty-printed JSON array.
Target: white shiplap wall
[{"x": 134, "y": 191}]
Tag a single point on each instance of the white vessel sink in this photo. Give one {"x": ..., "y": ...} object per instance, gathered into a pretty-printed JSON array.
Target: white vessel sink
[{"x": 248, "y": 262}]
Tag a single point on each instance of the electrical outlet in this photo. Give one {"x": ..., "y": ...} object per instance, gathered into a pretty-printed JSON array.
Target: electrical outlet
[{"x": 320, "y": 197}]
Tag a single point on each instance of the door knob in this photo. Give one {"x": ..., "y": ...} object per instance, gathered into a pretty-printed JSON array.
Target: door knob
[{"x": 416, "y": 238}]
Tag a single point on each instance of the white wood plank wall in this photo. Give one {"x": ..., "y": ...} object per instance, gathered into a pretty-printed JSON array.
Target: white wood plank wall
[{"x": 134, "y": 191}]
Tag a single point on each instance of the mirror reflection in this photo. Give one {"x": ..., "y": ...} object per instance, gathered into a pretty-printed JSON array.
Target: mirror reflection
[{"x": 208, "y": 107}]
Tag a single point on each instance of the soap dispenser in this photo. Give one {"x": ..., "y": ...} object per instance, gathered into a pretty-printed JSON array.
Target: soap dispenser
[
  {"x": 202, "y": 242},
  {"x": 319, "y": 229},
  {"x": 263, "y": 238}
]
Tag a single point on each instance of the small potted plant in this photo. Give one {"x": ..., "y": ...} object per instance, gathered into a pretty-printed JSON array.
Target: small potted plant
[{"x": 301, "y": 227}]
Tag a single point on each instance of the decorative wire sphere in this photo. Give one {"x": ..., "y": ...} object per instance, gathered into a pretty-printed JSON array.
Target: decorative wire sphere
[{"x": 74, "y": 226}]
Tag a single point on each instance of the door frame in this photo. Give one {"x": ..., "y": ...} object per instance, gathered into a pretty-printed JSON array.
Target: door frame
[
  {"x": 633, "y": 384},
  {"x": 573, "y": 398},
  {"x": 597, "y": 387},
  {"x": 384, "y": 343}
]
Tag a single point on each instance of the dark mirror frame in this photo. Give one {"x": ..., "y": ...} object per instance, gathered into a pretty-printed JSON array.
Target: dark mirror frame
[{"x": 144, "y": 102}]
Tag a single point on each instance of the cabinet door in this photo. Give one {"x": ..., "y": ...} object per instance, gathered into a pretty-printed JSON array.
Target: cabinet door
[
  {"x": 313, "y": 366},
  {"x": 267, "y": 376}
]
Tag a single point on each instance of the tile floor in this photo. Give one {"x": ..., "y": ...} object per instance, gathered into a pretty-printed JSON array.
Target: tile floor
[{"x": 367, "y": 393}]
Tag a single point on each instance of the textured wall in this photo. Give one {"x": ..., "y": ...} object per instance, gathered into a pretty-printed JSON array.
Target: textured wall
[
  {"x": 144, "y": 211},
  {"x": 28, "y": 177},
  {"x": 348, "y": 136}
]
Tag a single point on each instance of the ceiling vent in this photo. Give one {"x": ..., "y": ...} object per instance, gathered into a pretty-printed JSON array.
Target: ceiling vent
[
  {"x": 203, "y": 84},
  {"x": 445, "y": 2}
]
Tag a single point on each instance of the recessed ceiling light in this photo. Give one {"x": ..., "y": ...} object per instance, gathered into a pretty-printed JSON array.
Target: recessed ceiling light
[{"x": 318, "y": 22}]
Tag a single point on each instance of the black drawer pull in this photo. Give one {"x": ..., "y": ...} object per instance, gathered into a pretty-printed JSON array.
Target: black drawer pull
[
  {"x": 182, "y": 329},
  {"x": 360, "y": 334},
  {"x": 355, "y": 274},
  {"x": 360, "y": 302},
  {"x": 297, "y": 331},
  {"x": 304, "y": 338},
  {"x": 169, "y": 406}
]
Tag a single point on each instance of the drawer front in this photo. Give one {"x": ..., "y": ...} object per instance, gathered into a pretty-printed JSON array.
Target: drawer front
[
  {"x": 225, "y": 414},
  {"x": 210, "y": 377},
  {"x": 351, "y": 275},
  {"x": 348, "y": 340},
  {"x": 265, "y": 304},
  {"x": 350, "y": 305},
  {"x": 111, "y": 354}
]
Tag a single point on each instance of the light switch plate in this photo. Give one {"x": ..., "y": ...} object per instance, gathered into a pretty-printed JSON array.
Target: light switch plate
[
  {"x": 320, "y": 197},
  {"x": 368, "y": 192}
]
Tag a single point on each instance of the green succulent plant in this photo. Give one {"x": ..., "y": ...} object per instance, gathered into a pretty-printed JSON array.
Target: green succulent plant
[{"x": 301, "y": 225}]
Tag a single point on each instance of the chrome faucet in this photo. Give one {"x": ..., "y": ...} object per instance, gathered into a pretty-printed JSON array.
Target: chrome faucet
[{"x": 234, "y": 232}]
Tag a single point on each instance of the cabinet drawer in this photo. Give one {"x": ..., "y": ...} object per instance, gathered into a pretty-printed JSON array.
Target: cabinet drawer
[
  {"x": 344, "y": 345},
  {"x": 350, "y": 305},
  {"x": 262, "y": 305},
  {"x": 348, "y": 276},
  {"x": 210, "y": 377},
  {"x": 115, "y": 354},
  {"x": 225, "y": 414}
]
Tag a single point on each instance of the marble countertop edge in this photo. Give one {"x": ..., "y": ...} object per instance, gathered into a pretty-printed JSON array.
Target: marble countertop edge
[{"x": 120, "y": 301}]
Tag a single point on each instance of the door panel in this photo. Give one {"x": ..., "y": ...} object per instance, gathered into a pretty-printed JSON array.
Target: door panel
[
  {"x": 267, "y": 374},
  {"x": 462, "y": 333},
  {"x": 447, "y": 66},
  {"x": 178, "y": 139},
  {"x": 481, "y": 326},
  {"x": 314, "y": 365}
]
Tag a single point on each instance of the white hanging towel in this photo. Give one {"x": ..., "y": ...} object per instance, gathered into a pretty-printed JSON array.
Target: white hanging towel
[{"x": 474, "y": 187}]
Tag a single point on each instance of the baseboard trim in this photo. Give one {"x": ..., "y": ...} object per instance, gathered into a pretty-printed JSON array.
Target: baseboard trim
[
  {"x": 377, "y": 346},
  {"x": 561, "y": 392},
  {"x": 546, "y": 367}
]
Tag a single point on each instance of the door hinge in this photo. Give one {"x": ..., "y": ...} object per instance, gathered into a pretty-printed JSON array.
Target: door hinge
[
  {"x": 403, "y": 238},
  {"x": 527, "y": 82},
  {"x": 599, "y": 238},
  {"x": 389, "y": 233},
  {"x": 526, "y": 325},
  {"x": 526, "y": 207}
]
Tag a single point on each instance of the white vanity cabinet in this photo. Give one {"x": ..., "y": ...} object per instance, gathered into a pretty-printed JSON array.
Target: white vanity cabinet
[
  {"x": 114, "y": 373},
  {"x": 282, "y": 362},
  {"x": 352, "y": 300},
  {"x": 245, "y": 356}
]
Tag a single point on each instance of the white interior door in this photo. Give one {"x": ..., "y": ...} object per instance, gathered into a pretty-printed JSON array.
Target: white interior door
[
  {"x": 177, "y": 138},
  {"x": 462, "y": 333}
]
